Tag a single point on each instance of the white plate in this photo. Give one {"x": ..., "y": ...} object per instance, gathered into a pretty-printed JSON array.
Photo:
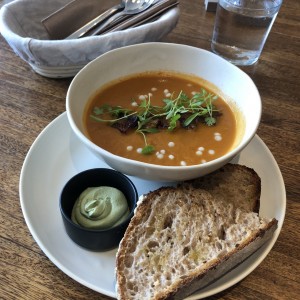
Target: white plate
[{"x": 57, "y": 155}]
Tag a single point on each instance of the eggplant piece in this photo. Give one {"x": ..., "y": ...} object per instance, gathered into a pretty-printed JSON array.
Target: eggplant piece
[{"x": 123, "y": 125}]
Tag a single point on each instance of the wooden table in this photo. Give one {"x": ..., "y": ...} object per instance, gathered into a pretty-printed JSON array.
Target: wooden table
[{"x": 29, "y": 102}]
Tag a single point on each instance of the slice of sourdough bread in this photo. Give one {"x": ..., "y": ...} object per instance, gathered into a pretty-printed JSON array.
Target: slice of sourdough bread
[
  {"x": 180, "y": 240},
  {"x": 233, "y": 183}
]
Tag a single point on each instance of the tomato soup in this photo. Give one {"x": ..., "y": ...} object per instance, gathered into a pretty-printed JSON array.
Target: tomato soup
[{"x": 173, "y": 142}]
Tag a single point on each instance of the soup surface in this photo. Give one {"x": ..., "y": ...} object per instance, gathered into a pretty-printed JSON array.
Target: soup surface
[{"x": 168, "y": 138}]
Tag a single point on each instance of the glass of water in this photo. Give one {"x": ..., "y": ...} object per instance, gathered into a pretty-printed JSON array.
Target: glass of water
[{"x": 242, "y": 27}]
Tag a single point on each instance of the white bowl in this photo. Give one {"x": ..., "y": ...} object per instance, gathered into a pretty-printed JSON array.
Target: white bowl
[{"x": 236, "y": 87}]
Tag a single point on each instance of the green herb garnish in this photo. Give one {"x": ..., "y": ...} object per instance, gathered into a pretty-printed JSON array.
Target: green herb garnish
[{"x": 147, "y": 118}]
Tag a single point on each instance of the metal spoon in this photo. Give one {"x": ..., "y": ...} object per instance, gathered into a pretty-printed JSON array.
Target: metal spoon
[
  {"x": 84, "y": 29},
  {"x": 131, "y": 7}
]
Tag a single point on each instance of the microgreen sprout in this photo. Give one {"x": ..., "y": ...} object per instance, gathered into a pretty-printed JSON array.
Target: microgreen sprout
[{"x": 147, "y": 118}]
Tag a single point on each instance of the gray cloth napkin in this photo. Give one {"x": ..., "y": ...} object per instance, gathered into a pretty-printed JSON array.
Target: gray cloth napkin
[
  {"x": 73, "y": 15},
  {"x": 21, "y": 26}
]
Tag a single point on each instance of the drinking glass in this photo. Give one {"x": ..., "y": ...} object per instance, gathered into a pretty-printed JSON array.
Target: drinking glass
[{"x": 242, "y": 27}]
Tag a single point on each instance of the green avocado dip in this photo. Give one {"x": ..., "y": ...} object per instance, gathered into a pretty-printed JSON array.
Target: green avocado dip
[{"x": 100, "y": 208}]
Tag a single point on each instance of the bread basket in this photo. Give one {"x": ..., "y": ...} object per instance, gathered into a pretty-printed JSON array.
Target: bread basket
[{"x": 21, "y": 26}]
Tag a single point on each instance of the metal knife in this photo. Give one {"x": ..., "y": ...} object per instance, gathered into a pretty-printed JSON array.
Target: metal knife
[{"x": 87, "y": 27}]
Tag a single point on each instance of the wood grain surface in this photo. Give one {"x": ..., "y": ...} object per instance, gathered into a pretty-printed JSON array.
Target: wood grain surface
[{"x": 29, "y": 102}]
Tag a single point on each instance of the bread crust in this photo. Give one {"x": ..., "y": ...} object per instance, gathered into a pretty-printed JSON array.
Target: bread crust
[
  {"x": 211, "y": 270},
  {"x": 232, "y": 180}
]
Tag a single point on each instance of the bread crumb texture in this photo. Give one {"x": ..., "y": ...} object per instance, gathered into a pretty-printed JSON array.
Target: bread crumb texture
[{"x": 175, "y": 235}]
